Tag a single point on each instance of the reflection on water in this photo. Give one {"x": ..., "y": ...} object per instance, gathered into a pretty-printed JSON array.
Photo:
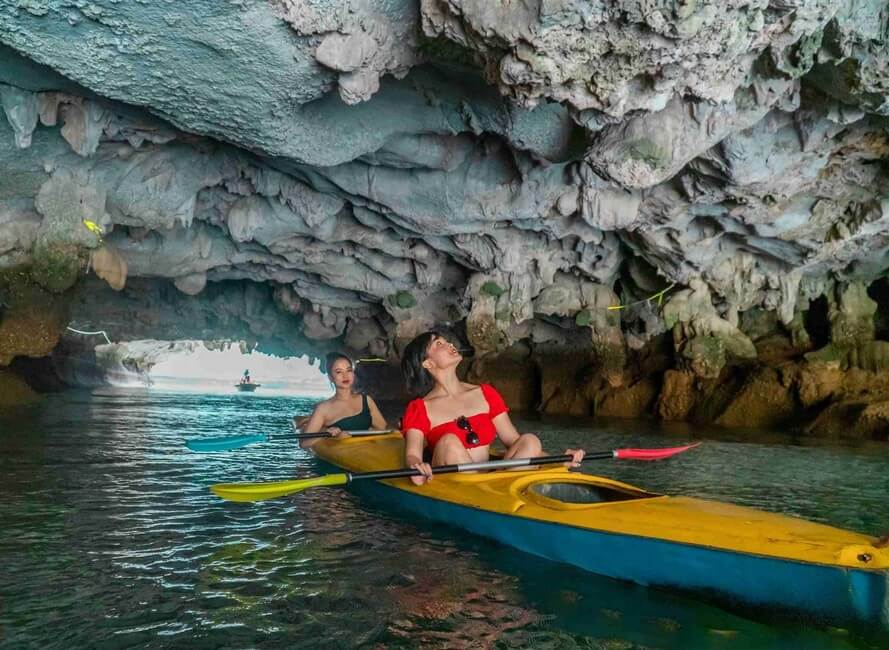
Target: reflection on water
[{"x": 112, "y": 539}]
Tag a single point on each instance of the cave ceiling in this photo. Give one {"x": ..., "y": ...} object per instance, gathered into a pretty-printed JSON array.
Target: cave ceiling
[{"x": 351, "y": 173}]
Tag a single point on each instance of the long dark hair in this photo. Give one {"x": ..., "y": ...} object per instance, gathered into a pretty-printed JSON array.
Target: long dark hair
[
  {"x": 416, "y": 378},
  {"x": 332, "y": 358}
]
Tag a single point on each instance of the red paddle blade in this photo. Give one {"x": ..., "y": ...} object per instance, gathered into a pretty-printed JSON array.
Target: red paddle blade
[{"x": 651, "y": 454}]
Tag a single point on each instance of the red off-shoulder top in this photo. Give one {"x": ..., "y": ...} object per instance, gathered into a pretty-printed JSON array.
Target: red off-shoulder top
[{"x": 416, "y": 417}]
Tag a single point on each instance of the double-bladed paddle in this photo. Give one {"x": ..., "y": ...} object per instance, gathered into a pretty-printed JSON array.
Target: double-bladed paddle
[
  {"x": 226, "y": 443},
  {"x": 271, "y": 490}
]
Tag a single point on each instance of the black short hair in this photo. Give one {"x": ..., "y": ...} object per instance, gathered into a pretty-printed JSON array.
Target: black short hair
[
  {"x": 332, "y": 358},
  {"x": 417, "y": 379}
]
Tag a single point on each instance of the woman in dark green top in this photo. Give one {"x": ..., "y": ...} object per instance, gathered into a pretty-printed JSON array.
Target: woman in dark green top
[{"x": 346, "y": 410}]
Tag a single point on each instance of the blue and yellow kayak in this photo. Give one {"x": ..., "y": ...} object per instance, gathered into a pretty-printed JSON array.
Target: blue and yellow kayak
[{"x": 729, "y": 552}]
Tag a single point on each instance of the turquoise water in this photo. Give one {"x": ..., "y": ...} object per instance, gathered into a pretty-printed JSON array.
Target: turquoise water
[{"x": 111, "y": 539}]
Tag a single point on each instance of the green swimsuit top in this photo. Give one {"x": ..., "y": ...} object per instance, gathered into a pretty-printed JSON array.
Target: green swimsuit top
[{"x": 359, "y": 422}]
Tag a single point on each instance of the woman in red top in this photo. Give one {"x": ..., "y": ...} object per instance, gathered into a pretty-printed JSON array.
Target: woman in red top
[{"x": 455, "y": 420}]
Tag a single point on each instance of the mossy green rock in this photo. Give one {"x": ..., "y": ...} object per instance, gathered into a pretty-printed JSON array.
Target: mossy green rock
[
  {"x": 491, "y": 288},
  {"x": 852, "y": 315},
  {"x": 403, "y": 300},
  {"x": 647, "y": 151},
  {"x": 830, "y": 353},
  {"x": 31, "y": 318},
  {"x": 705, "y": 355},
  {"x": 57, "y": 266},
  {"x": 873, "y": 356},
  {"x": 870, "y": 355}
]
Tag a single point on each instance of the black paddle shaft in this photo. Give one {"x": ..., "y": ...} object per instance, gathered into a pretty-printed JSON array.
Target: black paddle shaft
[
  {"x": 317, "y": 434},
  {"x": 473, "y": 467},
  {"x": 298, "y": 436}
]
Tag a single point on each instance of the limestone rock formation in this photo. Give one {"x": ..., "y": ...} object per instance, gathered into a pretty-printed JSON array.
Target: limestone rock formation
[{"x": 662, "y": 198}]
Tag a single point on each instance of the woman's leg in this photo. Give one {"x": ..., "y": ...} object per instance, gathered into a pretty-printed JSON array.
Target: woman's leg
[
  {"x": 449, "y": 450},
  {"x": 527, "y": 446}
]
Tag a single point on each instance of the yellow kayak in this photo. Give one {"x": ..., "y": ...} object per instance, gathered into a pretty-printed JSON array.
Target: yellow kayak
[{"x": 614, "y": 529}]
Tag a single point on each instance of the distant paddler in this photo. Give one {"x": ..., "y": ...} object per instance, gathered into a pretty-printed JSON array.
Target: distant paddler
[{"x": 347, "y": 410}]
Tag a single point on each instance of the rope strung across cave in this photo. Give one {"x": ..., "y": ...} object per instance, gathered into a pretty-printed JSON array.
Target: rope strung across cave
[
  {"x": 659, "y": 296},
  {"x": 102, "y": 332}
]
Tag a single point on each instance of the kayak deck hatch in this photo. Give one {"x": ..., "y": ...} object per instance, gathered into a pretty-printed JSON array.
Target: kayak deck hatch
[{"x": 578, "y": 493}]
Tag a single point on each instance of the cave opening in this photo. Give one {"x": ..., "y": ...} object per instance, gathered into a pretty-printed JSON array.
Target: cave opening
[
  {"x": 879, "y": 292},
  {"x": 817, "y": 323},
  {"x": 213, "y": 367},
  {"x": 178, "y": 366}
]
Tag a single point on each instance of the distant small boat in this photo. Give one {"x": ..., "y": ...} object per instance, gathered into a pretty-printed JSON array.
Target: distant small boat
[{"x": 247, "y": 387}]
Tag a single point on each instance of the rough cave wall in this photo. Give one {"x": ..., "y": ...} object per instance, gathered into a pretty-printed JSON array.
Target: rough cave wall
[{"x": 351, "y": 173}]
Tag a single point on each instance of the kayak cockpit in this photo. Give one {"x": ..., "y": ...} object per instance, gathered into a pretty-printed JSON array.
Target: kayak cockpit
[
  {"x": 581, "y": 492},
  {"x": 570, "y": 493}
]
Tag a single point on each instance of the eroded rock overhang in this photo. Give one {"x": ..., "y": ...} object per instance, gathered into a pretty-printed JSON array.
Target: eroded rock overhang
[{"x": 309, "y": 175}]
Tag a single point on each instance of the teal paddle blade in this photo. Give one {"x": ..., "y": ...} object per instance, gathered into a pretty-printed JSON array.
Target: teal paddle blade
[{"x": 225, "y": 443}]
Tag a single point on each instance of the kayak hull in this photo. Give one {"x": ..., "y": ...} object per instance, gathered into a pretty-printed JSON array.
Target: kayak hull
[
  {"x": 731, "y": 554},
  {"x": 829, "y": 594}
]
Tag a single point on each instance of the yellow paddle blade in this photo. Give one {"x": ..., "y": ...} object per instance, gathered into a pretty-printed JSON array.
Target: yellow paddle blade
[{"x": 261, "y": 491}]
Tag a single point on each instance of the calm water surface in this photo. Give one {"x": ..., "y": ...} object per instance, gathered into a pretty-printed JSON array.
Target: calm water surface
[{"x": 111, "y": 540}]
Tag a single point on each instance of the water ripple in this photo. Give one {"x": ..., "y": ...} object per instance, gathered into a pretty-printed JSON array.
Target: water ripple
[{"x": 111, "y": 539}]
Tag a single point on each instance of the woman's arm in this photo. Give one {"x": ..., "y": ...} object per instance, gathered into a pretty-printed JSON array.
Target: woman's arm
[
  {"x": 506, "y": 430},
  {"x": 314, "y": 425},
  {"x": 414, "y": 441},
  {"x": 377, "y": 421}
]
